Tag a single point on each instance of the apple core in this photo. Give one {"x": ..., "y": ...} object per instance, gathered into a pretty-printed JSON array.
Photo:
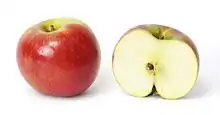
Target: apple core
[{"x": 151, "y": 68}]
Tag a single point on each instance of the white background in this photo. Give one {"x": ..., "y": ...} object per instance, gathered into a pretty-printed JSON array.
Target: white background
[{"x": 109, "y": 20}]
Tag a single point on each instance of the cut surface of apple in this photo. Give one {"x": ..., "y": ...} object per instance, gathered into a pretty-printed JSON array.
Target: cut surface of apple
[{"x": 151, "y": 56}]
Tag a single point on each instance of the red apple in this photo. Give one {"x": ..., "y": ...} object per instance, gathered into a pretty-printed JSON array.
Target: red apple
[{"x": 59, "y": 57}]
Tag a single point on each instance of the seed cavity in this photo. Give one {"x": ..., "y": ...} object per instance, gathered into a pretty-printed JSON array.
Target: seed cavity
[{"x": 150, "y": 66}]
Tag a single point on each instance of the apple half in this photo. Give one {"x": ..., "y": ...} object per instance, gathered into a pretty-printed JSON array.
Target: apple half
[{"x": 155, "y": 59}]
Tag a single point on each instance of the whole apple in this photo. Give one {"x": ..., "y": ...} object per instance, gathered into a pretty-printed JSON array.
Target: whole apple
[{"x": 59, "y": 56}]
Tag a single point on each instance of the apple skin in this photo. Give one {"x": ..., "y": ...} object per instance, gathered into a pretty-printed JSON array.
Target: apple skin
[
  {"x": 175, "y": 35},
  {"x": 61, "y": 63}
]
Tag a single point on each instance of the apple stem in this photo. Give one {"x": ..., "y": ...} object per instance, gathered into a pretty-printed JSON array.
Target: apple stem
[
  {"x": 158, "y": 34},
  {"x": 51, "y": 28},
  {"x": 161, "y": 34}
]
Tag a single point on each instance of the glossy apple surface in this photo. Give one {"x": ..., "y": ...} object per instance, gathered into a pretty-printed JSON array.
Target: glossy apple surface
[{"x": 59, "y": 57}]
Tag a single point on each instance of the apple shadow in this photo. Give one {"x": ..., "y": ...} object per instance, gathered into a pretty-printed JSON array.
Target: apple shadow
[
  {"x": 101, "y": 85},
  {"x": 200, "y": 90}
]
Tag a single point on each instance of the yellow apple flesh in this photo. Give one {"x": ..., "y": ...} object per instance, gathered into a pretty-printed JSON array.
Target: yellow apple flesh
[{"x": 155, "y": 58}]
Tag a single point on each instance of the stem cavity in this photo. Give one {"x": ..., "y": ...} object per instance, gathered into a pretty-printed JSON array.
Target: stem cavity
[
  {"x": 161, "y": 33},
  {"x": 49, "y": 28}
]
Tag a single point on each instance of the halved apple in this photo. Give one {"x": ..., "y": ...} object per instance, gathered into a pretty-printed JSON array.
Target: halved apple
[{"x": 155, "y": 59}]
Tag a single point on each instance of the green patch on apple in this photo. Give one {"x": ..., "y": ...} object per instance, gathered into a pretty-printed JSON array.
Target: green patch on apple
[{"x": 54, "y": 24}]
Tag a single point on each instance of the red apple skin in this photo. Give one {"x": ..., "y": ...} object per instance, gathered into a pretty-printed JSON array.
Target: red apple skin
[{"x": 62, "y": 63}]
